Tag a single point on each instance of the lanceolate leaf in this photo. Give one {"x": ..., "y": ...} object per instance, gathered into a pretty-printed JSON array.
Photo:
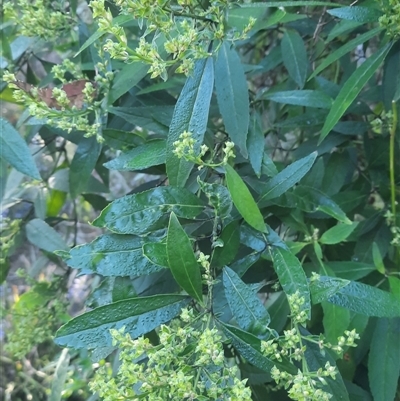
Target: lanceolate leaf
[
  {"x": 40, "y": 234},
  {"x": 347, "y": 47},
  {"x": 230, "y": 236},
  {"x": 139, "y": 213},
  {"x": 156, "y": 252},
  {"x": 150, "y": 154},
  {"x": 357, "y": 13},
  {"x": 82, "y": 165},
  {"x": 305, "y": 97},
  {"x": 112, "y": 255},
  {"x": 352, "y": 88},
  {"x": 256, "y": 143},
  {"x": 358, "y": 297},
  {"x": 232, "y": 95},
  {"x": 337, "y": 233},
  {"x": 138, "y": 315},
  {"x": 294, "y": 56},
  {"x": 291, "y": 275},
  {"x": 182, "y": 261},
  {"x": 15, "y": 150},
  {"x": 287, "y": 178},
  {"x": 246, "y": 307},
  {"x": 384, "y": 359},
  {"x": 243, "y": 200},
  {"x": 190, "y": 114}
]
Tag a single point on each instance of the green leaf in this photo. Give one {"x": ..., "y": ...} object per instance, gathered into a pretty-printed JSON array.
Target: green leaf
[
  {"x": 83, "y": 164},
  {"x": 350, "y": 270},
  {"x": 291, "y": 275},
  {"x": 230, "y": 237},
  {"x": 355, "y": 296},
  {"x": 312, "y": 200},
  {"x": 357, "y": 13},
  {"x": 59, "y": 377},
  {"x": 246, "y": 307},
  {"x": 182, "y": 261},
  {"x": 384, "y": 360},
  {"x": 377, "y": 258},
  {"x": 218, "y": 197},
  {"x": 352, "y": 87},
  {"x": 294, "y": 56},
  {"x": 256, "y": 143},
  {"x": 336, "y": 320},
  {"x": 191, "y": 115},
  {"x": 287, "y": 178},
  {"x": 139, "y": 213},
  {"x": 156, "y": 252},
  {"x": 112, "y": 255},
  {"x": 152, "y": 118},
  {"x": 15, "y": 150},
  {"x": 40, "y": 234},
  {"x": 343, "y": 50},
  {"x": 249, "y": 347},
  {"x": 305, "y": 97},
  {"x": 243, "y": 200},
  {"x": 338, "y": 233},
  {"x": 144, "y": 156},
  {"x": 129, "y": 76},
  {"x": 138, "y": 315},
  {"x": 232, "y": 95}
]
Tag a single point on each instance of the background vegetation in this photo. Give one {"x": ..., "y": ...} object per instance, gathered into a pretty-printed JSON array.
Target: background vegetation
[{"x": 199, "y": 200}]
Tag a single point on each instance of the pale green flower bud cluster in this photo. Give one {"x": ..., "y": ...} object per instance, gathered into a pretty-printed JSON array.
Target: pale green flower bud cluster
[
  {"x": 186, "y": 147},
  {"x": 298, "y": 314},
  {"x": 188, "y": 28},
  {"x": 32, "y": 327},
  {"x": 304, "y": 386},
  {"x": 203, "y": 260},
  {"x": 188, "y": 364},
  {"x": 88, "y": 118},
  {"x": 9, "y": 228},
  {"x": 40, "y": 18},
  {"x": 391, "y": 18},
  {"x": 395, "y": 230}
]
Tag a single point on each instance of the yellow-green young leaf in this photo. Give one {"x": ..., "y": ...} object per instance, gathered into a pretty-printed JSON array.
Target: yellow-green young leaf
[
  {"x": 181, "y": 259},
  {"x": 377, "y": 257},
  {"x": 352, "y": 87},
  {"x": 243, "y": 200},
  {"x": 338, "y": 233}
]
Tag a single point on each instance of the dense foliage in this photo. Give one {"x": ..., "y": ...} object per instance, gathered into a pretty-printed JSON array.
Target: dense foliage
[{"x": 257, "y": 255}]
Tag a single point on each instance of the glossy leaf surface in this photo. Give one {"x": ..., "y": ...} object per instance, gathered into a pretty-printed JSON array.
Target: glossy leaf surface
[
  {"x": 138, "y": 315},
  {"x": 112, "y": 255},
  {"x": 249, "y": 313},
  {"x": 182, "y": 261},
  {"x": 243, "y": 200},
  {"x": 139, "y": 213},
  {"x": 150, "y": 154}
]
